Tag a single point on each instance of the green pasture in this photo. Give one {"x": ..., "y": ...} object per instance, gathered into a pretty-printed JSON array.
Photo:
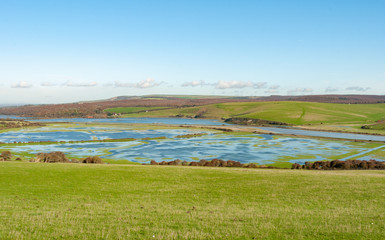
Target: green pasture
[
  {"x": 298, "y": 113},
  {"x": 376, "y": 126},
  {"x": 79, "y": 201}
]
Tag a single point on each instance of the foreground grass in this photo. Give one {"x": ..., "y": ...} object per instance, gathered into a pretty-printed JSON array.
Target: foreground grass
[{"x": 76, "y": 201}]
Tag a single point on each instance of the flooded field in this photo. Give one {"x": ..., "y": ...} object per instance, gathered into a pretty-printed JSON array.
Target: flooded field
[
  {"x": 83, "y": 132},
  {"x": 144, "y": 142}
]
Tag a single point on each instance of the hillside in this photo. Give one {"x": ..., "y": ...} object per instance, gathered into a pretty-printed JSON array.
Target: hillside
[
  {"x": 191, "y": 105},
  {"x": 297, "y": 113},
  {"x": 96, "y": 108}
]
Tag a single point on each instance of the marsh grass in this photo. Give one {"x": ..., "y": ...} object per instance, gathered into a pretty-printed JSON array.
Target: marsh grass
[{"x": 74, "y": 201}]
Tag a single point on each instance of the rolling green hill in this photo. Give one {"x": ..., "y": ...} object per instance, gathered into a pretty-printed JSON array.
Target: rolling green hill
[{"x": 297, "y": 113}]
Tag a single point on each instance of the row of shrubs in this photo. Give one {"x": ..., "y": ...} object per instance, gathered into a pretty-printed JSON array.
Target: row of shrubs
[
  {"x": 5, "y": 156},
  {"x": 60, "y": 157},
  {"x": 52, "y": 157},
  {"x": 210, "y": 163},
  {"x": 338, "y": 164}
]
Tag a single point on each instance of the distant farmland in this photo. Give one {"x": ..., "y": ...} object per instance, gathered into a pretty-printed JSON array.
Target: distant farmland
[
  {"x": 97, "y": 108},
  {"x": 297, "y": 113}
]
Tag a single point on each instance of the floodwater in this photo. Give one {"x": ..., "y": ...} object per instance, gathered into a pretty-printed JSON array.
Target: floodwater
[
  {"x": 146, "y": 145},
  {"x": 246, "y": 148},
  {"x": 60, "y": 133}
]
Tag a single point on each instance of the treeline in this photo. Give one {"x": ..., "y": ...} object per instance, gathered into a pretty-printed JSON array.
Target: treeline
[
  {"x": 338, "y": 164},
  {"x": 210, "y": 163},
  {"x": 52, "y": 157},
  {"x": 250, "y": 121}
]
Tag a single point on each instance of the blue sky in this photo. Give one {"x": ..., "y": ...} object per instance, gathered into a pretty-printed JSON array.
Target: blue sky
[{"x": 66, "y": 51}]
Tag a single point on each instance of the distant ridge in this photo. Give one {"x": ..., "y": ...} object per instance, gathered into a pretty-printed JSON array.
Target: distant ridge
[
  {"x": 329, "y": 98},
  {"x": 96, "y": 108}
]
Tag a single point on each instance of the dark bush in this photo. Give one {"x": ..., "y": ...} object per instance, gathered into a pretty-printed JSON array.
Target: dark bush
[
  {"x": 251, "y": 165},
  {"x": 202, "y": 162},
  {"x": 338, "y": 164},
  {"x": 296, "y": 166},
  {"x": 216, "y": 162},
  {"x": 185, "y": 163},
  {"x": 194, "y": 164},
  {"x": 175, "y": 162},
  {"x": 213, "y": 163},
  {"x": 372, "y": 164},
  {"x": 6, "y": 155},
  {"x": 93, "y": 159},
  {"x": 52, "y": 157},
  {"x": 231, "y": 163},
  {"x": 364, "y": 165},
  {"x": 153, "y": 162},
  {"x": 308, "y": 165}
]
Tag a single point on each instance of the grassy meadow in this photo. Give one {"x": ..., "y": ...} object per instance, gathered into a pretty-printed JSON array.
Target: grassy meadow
[
  {"x": 297, "y": 113},
  {"x": 77, "y": 201}
]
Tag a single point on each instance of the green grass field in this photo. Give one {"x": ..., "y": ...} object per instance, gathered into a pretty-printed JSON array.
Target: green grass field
[
  {"x": 78, "y": 201},
  {"x": 298, "y": 113},
  {"x": 376, "y": 126}
]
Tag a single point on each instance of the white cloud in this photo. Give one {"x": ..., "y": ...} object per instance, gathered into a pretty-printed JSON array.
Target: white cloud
[
  {"x": 71, "y": 84},
  {"x": 239, "y": 84},
  {"x": 233, "y": 84},
  {"x": 274, "y": 87},
  {"x": 48, "y": 84},
  {"x": 300, "y": 90},
  {"x": 272, "y": 91},
  {"x": 148, "y": 83},
  {"x": 358, "y": 89},
  {"x": 331, "y": 89},
  {"x": 194, "y": 83},
  {"x": 21, "y": 84},
  {"x": 260, "y": 85}
]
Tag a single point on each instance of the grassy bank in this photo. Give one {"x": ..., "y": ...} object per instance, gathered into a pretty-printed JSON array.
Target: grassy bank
[{"x": 73, "y": 201}]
